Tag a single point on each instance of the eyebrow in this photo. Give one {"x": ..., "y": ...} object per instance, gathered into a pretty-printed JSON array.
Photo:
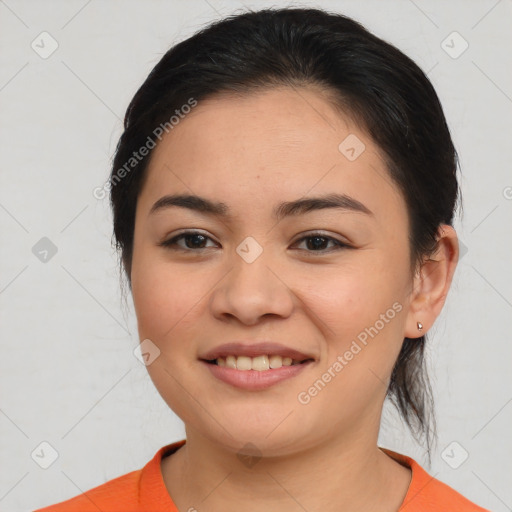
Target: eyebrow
[{"x": 282, "y": 210}]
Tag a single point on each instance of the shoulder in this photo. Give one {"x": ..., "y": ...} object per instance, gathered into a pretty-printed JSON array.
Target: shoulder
[
  {"x": 427, "y": 494},
  {"x": 142, "y": 490},
  {"x": 119, "y": 492}
]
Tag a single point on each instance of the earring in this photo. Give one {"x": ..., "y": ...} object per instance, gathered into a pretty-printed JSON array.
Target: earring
[{"x": 420, "y": 326}]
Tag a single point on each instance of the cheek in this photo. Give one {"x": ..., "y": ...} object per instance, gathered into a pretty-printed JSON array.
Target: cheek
[
  {"x": 362, "y": 302},
  {"x": 164, "y": 298},
  {"x": 342, "y": 296},
  {"x": 360, "y": 314}
]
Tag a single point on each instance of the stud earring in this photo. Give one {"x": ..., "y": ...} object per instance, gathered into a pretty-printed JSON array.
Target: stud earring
[{"x": 420, "y": 326}]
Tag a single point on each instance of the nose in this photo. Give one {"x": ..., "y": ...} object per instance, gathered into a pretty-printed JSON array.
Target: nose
[{"x": 250, "y": 291}]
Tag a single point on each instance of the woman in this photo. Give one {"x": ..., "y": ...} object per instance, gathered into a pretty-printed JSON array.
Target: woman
[{"x": 283, "y": 198}]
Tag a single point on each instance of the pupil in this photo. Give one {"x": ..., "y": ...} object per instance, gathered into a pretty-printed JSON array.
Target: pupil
[
  {"x": 195, "y": 238},
  {"x": 316, "y": 245}
]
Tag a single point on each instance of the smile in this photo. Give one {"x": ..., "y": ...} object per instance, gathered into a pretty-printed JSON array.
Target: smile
[
  {"x": 259, "y": 363},
  {"x": 252, "y": 379}
]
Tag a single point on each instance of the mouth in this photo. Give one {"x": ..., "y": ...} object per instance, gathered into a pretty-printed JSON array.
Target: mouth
[
  {"x": 260, "y": 363},
  {"x": 253, "y": 370},
  {"x": 261, "y": 357}
]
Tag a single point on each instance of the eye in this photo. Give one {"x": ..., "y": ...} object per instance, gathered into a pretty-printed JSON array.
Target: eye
[
  {"x": 316, "y": 242},
  {"x": 192, "y": 240},
  {"x": 195, "y": 241}
]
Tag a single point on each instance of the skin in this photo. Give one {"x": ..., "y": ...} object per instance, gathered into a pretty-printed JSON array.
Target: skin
[{"x": 252, "y": 153}]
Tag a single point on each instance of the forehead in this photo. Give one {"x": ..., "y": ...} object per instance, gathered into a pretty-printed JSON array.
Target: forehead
[{"x": 273, "y": 145}]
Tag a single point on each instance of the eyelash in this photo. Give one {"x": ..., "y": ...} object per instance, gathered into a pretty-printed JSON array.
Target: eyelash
[{"x": 171, "y": 244}]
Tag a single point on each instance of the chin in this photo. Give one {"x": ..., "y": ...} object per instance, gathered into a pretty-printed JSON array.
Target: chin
[{"x": 273, "y": 437}]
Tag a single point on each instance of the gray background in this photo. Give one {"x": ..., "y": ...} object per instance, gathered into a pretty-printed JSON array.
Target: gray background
[{"x": 68, "y": 373}]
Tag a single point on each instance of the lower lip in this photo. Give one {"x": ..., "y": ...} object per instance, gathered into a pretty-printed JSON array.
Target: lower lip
[{"x": 253, "y": 379}]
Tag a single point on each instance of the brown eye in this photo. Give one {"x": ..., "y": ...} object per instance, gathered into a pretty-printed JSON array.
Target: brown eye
[
  {"x": 318, "y": 242},
  {"x": 192, "y": 240}
]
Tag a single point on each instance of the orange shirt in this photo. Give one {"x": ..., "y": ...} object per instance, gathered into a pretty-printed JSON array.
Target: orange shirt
[{"x": 144, "y": 490}]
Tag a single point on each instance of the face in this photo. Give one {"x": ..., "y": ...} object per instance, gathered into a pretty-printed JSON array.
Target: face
[{"x": 329, "y": 281}]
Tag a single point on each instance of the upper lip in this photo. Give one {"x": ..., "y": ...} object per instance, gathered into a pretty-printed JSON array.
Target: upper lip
[{"x": 253, "y": 350}]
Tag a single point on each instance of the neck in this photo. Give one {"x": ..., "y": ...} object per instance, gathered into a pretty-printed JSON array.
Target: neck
[{"x": 353, "y": 473}]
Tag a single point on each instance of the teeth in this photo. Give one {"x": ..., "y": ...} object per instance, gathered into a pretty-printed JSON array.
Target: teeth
[
  {"x": 276, "y": 361},
  {"x": 259, "y": 363}
]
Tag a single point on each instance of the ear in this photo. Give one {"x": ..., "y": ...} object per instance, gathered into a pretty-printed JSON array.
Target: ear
[{"x": 432, "y": 282}]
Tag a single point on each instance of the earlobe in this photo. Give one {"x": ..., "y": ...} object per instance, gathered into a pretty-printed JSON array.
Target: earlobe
[{"x": 432, "y": 283}]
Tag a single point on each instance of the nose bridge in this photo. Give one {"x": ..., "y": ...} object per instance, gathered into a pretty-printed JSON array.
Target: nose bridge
[{"x": 252, "y": 289}]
